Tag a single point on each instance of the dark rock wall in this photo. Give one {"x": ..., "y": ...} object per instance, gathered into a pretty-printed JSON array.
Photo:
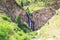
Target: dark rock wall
[
  {"x": 11, "y": 8},
  {"x": 42, "y": 16},
  {"x": 39, "y": 18}
]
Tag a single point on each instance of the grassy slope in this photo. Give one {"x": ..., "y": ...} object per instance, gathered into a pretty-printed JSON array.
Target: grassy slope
[
  {"x": 10, "y": 31},
  {"x": 32, "y": 6},
  {"x": 51, "y": 30},
  {"x": 35, "y": 6}
]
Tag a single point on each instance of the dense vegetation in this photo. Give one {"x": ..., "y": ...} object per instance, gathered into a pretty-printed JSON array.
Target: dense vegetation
[{"x": 10, "y": 30}]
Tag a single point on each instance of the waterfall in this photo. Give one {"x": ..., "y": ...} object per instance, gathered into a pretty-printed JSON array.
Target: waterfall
[{"x": 30, "y": 21}]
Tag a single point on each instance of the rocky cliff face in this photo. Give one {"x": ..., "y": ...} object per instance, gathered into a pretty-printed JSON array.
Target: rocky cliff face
[
  {"x": 11, "y": 8},
  {"x": 42, "y": 16},
  {"x": 39, "y": 18}
]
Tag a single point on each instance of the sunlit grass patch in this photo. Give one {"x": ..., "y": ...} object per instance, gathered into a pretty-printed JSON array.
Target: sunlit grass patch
[
  {"x": 34, "y": 7},
  {"x": 58, "y": 12},
  {"x": 51, "y": 29},
  {"x": 31, "y": 5}
]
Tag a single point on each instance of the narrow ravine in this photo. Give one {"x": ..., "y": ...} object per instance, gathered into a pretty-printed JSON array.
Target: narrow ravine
[{"x": 30, "y": 21}]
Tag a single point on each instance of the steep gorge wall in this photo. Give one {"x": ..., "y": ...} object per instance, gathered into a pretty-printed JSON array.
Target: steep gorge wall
[
  {"x": 38, "y": 18},
  {"x": 11, "y": 8}
]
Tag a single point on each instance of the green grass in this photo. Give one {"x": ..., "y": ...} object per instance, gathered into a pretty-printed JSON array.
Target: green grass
[
  {"x": 32, "y": 6},
  {"x": 51, "y": 30},
  {"x": 35, "y": 6},
  {"x": 10, "y": 30}
]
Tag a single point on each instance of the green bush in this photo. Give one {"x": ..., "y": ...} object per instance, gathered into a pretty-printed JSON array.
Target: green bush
[{"x": 24, "y": 26}]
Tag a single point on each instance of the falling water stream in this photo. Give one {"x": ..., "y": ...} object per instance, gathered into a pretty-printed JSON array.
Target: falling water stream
[{"x": 30, "y": 21}]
